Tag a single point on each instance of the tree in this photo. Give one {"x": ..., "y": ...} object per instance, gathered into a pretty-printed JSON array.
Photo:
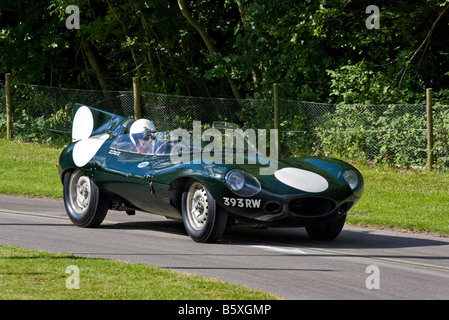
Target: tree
[
  {"x": 208, "y": 41},
  {"x": 317, "y": 50}
]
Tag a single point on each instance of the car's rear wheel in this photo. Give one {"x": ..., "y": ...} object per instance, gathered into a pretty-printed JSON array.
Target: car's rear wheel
[
  {"x": 203, "y": 219},
  {"x": 328, "y": 231},
  {"x": 84, "y": 203}
]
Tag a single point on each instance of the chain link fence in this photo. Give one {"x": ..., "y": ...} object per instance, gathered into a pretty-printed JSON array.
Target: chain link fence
[
  {"x": 391, "y": 134},
  {"x": 44, "y": 114}
]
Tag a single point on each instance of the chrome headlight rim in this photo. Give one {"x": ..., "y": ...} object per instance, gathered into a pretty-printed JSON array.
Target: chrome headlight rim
[{"x": 242, "y": 183}]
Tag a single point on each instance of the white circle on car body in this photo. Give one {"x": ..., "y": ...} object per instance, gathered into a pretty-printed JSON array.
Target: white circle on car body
[
  {"x": 83, "y": 124},
  {"x": 86, "y": 149},
  {"x": 302, "y": 179}
]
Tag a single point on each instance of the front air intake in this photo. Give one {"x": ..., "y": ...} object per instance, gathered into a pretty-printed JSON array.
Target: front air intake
[
  {"x": 311, "y": 206},
  {"x": 272, "y": 207}
]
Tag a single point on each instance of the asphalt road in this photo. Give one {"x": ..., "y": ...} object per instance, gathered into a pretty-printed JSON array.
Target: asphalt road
[{"x": 361, "y": 264}]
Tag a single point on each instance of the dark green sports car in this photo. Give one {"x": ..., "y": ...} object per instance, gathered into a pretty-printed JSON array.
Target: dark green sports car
[{"x": 117, "y": 163}]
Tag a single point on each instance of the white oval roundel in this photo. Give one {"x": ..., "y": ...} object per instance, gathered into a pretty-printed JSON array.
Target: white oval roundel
[
  {"x": 83, "y": 124},
  {"x": 302, "y": 179},
  {"x": 84, "y": 150}
]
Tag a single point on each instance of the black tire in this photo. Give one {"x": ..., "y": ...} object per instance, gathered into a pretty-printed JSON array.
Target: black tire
[
  {"x": 328, "y": 231},
  {"x": 83, "y": 201},
  {"x": 203, "y": 219}
]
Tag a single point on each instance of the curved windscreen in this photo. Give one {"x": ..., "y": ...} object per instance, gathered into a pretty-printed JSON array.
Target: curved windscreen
[
  {"x": 159, "y": 143},
  {"x": 156, "y": 144}
]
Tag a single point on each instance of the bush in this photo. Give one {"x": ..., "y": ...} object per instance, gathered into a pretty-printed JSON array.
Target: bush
[
  {"x": 386, "y": 134},
  {"x": 54, "y": 128}
]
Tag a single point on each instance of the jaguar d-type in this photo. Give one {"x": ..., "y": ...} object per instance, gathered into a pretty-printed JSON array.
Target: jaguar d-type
[{"x": 119, "y": 163}]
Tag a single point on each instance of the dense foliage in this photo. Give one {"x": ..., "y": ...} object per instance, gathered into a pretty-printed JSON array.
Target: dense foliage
[
  {"x": 327, "y": 51},
  {"x": 317, "y": 50}
]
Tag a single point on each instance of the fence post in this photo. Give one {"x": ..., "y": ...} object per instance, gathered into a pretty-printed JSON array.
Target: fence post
[
  {"x": 276, "y": 116},
  {"x": 137, "y": 98},
  {"x": 429, "y": 111},
  {"x": 8, "y": 106}
]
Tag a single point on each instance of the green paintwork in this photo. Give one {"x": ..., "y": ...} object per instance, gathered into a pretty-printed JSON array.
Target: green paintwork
[{"x": 157, "y": 187}]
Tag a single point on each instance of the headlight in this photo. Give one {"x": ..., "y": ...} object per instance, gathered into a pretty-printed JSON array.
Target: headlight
[
  {"x": 354, "y": 180},
  {"x": 242, "y": 183}
]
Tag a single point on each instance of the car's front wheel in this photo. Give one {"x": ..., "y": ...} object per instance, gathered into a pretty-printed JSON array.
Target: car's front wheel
[
  {"x": 84, "y": 203},
  {"x": 328, "y": 231},
  {"x": 203, "y": 219}
]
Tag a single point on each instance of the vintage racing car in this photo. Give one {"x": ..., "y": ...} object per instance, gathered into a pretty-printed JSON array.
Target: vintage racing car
[{"x": 118, "y": 163}]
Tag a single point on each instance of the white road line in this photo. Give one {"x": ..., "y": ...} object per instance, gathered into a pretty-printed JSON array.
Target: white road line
[{"x": 279, "y": 249}]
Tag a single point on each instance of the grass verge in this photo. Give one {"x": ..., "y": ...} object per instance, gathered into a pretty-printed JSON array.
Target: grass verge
[
  {"x": 32, "y": 274},
  {"x": 411, "y": 200},
  {"x": 29, "y": 169}
]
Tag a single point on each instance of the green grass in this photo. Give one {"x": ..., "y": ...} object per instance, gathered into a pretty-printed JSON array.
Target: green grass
[
  {"x": 411, "y": 200},
  {"x": 29, "y": 169},
  {"x": 32, "y": 274}
]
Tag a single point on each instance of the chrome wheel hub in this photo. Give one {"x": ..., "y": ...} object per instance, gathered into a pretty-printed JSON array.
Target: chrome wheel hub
[
  {"x": 80, "y": 192},
  {"x": 197, "y": 206}
]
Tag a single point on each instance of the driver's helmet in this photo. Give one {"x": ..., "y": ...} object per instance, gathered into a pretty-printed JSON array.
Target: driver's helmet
[{"x": 140, "y": 130}]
